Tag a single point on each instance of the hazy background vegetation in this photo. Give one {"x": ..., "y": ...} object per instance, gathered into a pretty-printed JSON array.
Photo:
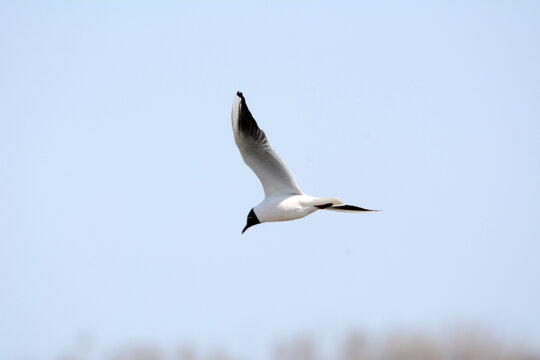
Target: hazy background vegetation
[{"x": 466, "y": 343}]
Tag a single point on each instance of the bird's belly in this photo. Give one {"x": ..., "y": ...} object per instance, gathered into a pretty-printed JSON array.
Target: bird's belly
[
  {"x": 287, "y": 214},
  {"x": 289, "y": 209}
]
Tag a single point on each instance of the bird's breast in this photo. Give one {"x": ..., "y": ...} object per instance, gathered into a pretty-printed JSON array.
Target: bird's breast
[{"x": 284, "y": 208}]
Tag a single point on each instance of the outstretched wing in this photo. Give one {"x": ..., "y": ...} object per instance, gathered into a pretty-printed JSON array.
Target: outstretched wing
[{"x": 255, "y": 149}]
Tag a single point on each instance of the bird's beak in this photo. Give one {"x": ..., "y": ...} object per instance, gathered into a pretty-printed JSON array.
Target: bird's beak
[{"x": 248, "y": 225}]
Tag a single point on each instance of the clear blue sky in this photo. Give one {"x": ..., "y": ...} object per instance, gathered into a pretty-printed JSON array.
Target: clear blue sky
[{"x": 122, "y": 193}]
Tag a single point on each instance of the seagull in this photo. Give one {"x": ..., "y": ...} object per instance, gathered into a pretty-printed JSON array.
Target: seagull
[{"x": 283, "y": 199}]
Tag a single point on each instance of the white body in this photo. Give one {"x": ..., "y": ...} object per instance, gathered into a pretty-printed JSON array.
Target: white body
[{"x": 287, "y": 207}]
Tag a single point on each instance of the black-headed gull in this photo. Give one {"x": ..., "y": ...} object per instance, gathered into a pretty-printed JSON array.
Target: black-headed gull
[{"x": 283, "y": 200}]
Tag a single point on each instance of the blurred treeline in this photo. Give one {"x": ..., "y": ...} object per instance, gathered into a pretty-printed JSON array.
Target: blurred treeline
[{"x": 456, "y": 345}]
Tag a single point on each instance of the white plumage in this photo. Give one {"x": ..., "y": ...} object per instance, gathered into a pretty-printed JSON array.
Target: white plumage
[{"x": 283, "y": 198}]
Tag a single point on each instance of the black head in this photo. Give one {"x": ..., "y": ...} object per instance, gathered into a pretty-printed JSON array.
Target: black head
[{"x": 251, "y": 220}]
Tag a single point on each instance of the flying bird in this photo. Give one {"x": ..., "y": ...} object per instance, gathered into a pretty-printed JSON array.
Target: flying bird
[{"x": 283, "y": 200}]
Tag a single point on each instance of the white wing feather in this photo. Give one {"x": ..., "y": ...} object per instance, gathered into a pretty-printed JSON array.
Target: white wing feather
[{"x": 255, "y": 149}]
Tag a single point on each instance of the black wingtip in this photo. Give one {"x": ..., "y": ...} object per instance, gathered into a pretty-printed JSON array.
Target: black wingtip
[
  {"x": 350, "y": 208},
  {"x": 239, "y": 93}
]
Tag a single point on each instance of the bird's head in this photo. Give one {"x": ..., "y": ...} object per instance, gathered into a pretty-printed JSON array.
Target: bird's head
[{"x": 251, "y": 220}]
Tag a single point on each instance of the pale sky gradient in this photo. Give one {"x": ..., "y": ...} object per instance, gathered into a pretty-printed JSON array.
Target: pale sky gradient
[{"x": 123, "y": 194}]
